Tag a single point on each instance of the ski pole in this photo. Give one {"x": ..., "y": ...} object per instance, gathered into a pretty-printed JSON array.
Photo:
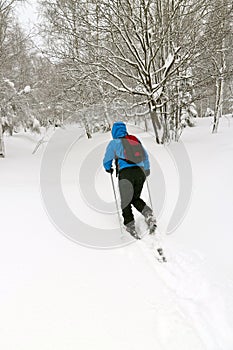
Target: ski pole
[
  {"x": 157, "y": 239},
  {"x": 148, "y": 190},
  {"x": 117, "y": 206}
]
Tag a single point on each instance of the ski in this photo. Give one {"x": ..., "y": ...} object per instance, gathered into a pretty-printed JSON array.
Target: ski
[
  {"x": 157, "y": 250},
  {"x": 161, "y": 257},
  {"x": 152, "y": 231},
  {"x": 135, "y": 235},
  {"x": 151, "y": 238},
  {"x": 155, "y": 245}
]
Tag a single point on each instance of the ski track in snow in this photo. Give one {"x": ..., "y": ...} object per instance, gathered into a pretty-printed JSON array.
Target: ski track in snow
[
  {"x": 190, "y": 309},
  {"x": 200, "y": 304},
  {"x": 187, "y": 309}
]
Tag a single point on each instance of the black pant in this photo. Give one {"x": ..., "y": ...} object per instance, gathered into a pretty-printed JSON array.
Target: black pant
[{"x": 131, "y": 181}]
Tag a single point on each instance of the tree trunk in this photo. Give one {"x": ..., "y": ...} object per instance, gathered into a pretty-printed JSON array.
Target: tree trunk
[
  {"x": 219, "y": 101},
  {"x": 146, "y": 126},
  {"x": 166, "y": 135},
  {"x": 220, "y": 81},
  {"x": 155, "y": 120},
  {"x": 87, "y": 129},
  {"x": 2, "y": 147}
]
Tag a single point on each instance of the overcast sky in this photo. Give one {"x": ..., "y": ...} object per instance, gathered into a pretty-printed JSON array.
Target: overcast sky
[{"x": 27, "y": 13}]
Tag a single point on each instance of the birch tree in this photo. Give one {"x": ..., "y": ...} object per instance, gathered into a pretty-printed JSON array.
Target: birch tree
[
  {"x": 213, "y": 67},
  {"x": 137, "y": 50},
  {"x": 147, "y": 46},
  {"x": 219, "y": 59},
  {"x": 66, "y": 32},
  {"x": 6, "y": 7}
]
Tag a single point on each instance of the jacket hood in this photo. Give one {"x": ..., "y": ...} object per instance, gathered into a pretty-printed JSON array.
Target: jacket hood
[{"x": 119, "y": 130}]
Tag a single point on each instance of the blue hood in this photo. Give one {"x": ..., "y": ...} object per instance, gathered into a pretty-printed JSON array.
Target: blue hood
[{"x": 119, "y": 130}]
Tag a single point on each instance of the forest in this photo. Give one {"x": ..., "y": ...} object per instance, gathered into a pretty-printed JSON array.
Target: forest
[{"x": 92, "y": 62}]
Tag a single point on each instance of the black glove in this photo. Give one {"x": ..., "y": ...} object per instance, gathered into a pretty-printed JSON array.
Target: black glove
[
  {"x": 147, "y": 172},
  {"x": 110, "y": 171}
]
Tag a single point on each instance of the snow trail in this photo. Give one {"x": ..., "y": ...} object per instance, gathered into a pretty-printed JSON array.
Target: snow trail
[
  {"x": 58, "y": 295},
  {"x": 200, "y": 302}
]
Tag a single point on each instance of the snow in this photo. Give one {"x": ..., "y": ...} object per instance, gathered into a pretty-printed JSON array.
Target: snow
[
  {"x": 10, "y": 83},
  {"x": 27, "y": 14},
  {"x": 57, "y": 294},
  {"x": 27, "y": 89}
]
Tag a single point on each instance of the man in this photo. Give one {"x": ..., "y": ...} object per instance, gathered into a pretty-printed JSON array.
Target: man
[{"x": 131, "y": 174}]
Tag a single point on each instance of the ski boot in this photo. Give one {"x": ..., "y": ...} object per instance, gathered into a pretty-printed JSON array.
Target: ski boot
[
  {"x": 130, "y": 227},
  {"x": 151, "y": 221}
]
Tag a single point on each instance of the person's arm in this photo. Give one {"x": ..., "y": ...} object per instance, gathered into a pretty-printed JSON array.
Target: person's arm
[
  {"x": 146, "y": 162},
  {"x": 109, "y": 156}
]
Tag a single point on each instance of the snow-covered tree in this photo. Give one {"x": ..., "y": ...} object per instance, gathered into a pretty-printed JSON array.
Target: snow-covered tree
[
  {"x": 6, "y": 11},
  {"x": 213, "y": 67},
  {"x": 140, "y": 51},
  {"x": 136, "y": 48}
]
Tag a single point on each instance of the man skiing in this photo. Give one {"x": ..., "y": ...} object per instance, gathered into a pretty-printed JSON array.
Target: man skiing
[{"x": 132, "y": 166}]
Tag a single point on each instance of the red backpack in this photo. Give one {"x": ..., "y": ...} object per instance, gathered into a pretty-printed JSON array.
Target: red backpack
[{"x": 133, "y": 150}]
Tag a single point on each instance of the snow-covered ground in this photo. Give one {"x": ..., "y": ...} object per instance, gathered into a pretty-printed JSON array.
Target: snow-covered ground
[{"x": 57, "y": 294}]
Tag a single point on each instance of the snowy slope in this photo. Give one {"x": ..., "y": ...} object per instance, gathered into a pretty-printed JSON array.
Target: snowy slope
[{"x": 57, "y": 294}]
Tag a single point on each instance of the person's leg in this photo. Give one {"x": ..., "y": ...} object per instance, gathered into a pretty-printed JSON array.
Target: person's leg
[
  {"x": 139, "y": 179},
  {"x": 126, "y": 194},
  {"x": 139, "y": 204}
]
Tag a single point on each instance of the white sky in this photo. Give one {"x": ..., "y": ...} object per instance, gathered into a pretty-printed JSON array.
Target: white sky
[{"x": 27, "y": 14}]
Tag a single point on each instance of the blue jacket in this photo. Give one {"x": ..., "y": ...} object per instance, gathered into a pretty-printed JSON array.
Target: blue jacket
[{"x": 115, "y": 150}]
